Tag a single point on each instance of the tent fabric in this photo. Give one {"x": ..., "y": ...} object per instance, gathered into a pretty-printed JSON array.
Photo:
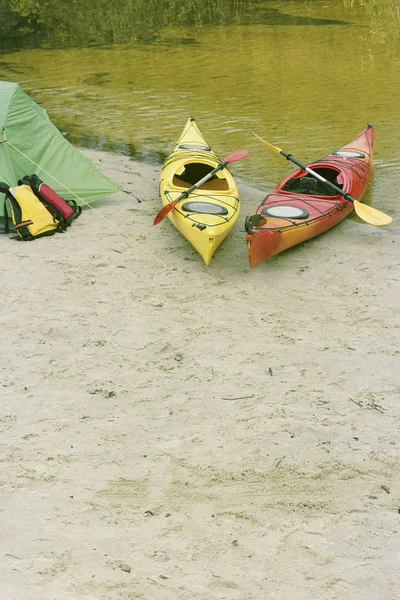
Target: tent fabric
[{"x": 28, "y": 128}]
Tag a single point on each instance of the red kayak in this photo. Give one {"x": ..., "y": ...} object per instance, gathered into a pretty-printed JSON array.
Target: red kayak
[{"x": 301, "y": 206}]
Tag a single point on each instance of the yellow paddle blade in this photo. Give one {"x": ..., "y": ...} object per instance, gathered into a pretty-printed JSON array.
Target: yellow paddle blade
[
  {"x": 371, "y": 215},
  {"x": 267, "y": 143}
]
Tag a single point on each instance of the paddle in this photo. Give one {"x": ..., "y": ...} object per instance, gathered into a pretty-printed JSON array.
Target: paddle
[
  {"x": 365, "y": 212},
  {"x": 234, "y": 156}
]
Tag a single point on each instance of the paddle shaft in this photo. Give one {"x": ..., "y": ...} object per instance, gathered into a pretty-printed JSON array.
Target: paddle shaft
[{"x": 288, "y": 156}]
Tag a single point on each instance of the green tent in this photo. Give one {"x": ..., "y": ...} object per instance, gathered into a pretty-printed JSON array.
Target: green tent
[{"x": 30, "y": 143}]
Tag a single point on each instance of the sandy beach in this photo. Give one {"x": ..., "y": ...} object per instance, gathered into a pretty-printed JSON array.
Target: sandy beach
[{"x": 175, "y": 431}]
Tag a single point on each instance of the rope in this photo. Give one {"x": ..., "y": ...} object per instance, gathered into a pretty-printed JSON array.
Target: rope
[{"x": 87, "y": 204}]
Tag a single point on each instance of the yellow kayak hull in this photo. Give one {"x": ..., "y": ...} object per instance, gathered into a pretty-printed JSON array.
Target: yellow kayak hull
[{"x": 208, "y": 214}]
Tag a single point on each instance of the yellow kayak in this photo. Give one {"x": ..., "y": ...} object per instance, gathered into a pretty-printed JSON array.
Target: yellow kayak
[{"x": 208, "y": 213}]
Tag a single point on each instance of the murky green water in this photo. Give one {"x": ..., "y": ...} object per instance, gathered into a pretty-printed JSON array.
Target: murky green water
[{"x": 306, "y": 75}]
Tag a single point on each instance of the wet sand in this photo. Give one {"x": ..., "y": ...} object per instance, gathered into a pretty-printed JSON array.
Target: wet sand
[{"x": 192, "y": 432}]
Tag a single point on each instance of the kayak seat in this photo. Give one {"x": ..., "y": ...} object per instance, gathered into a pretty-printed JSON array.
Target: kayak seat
[
  {"x": 216, "y": 185},
  {"x": 308, "y": 185}
]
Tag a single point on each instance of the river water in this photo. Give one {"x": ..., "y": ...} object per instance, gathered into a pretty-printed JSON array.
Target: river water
[{"x": 305, "y": 75}]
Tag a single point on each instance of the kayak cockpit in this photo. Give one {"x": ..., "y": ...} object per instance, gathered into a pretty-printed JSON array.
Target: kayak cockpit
[
  {"x": 307, "y": 184},
  {"x": 194, "y": 172}
]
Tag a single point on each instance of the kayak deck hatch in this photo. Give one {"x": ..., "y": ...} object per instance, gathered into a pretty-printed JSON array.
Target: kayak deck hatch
[{"x": 206, "y": 208}]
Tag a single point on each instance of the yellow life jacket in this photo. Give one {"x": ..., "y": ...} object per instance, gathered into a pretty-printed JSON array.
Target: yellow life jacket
[{"x": 30, "y": 217}]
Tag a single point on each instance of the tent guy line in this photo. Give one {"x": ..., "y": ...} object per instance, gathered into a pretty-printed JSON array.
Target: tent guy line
[{"x": 86, "y": 203}]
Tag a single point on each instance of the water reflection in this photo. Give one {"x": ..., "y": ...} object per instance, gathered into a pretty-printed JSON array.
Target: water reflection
[{"x": 37, "y": 23}]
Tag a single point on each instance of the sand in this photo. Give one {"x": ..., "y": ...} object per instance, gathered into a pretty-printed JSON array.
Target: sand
[{"x": 191, "y": 432}]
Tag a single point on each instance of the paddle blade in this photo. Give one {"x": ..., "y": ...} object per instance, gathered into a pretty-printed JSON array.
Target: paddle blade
[
  {"x": 278, "y": 150},
  {"x": 371, "y": 215},
  {"x": 235, "y": 156},
  {"x": 160, "y": 216}
]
